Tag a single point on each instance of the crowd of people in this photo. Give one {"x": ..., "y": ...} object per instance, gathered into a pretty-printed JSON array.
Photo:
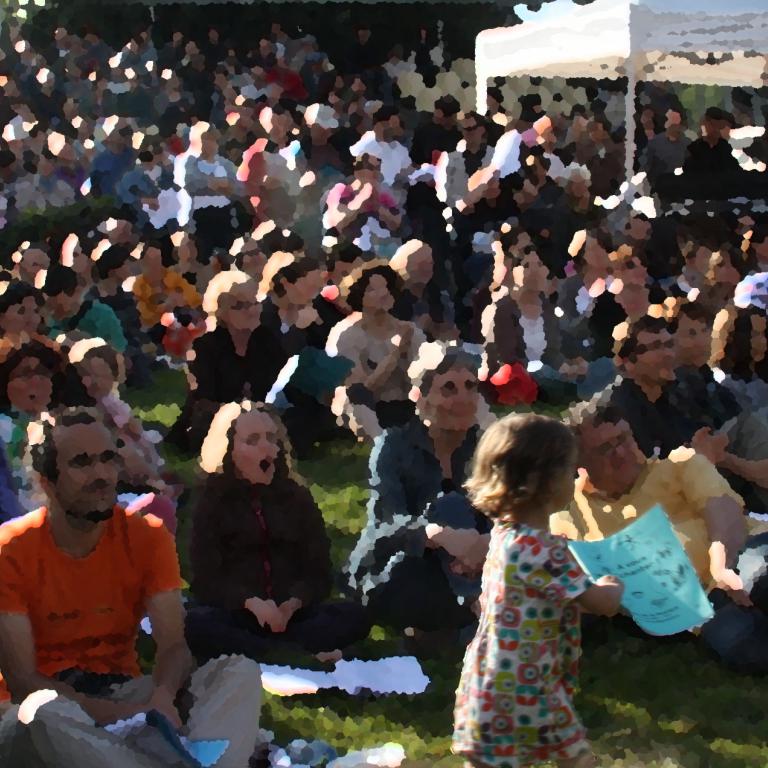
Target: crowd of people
[{"x": 324, "y": 263}]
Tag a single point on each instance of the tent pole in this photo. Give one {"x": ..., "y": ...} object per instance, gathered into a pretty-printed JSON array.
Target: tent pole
[
  {"x": 629, "y": 111},
  {"x": 481, "y": 91}
]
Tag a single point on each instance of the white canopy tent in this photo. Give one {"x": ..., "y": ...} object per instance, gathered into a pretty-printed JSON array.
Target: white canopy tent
[{"x": 700, "y": 42}]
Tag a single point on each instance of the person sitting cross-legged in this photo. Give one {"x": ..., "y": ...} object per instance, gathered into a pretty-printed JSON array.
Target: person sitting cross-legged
[
  {"x": 727, "y": 549},
  {"x": 76, "y": 578},
  {"x": 261, "y": 557}
]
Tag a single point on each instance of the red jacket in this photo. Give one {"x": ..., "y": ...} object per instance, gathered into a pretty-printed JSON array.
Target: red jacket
[{"x": 289, "y": 81}]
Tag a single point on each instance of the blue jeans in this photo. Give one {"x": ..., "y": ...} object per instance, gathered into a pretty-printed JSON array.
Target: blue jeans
[{"x": 737, "y": 635}]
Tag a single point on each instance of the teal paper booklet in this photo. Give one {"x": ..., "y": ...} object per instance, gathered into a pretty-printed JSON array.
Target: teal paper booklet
[
  {"x": 661, "y": 589},
  {"x": 197, "y": 753}
]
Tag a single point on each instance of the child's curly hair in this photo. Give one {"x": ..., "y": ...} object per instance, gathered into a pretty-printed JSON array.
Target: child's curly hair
[{"x": 519, "y": 464}]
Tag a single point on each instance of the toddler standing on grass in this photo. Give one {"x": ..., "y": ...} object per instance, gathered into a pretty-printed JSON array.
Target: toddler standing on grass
[{"x": 514, "y": 704}]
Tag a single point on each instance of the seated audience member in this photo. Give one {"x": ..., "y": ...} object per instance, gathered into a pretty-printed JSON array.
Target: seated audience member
[
  {"x": 740, "y": 356},
  {"x": 67, "y": 642},
  {"x": 294, "y": 304},
  {"x": 694, "y": 392},
  {"x": 114, "y": 267},
  {"x": 20, "y": 311},
  {"x": 302, "y": 320},
  {"x": 646, "y": 362},
  {"x": 520, "y": 324},
  {"x": 630, "y": 284},
  {"x": 757, "y": 245},
  {"x": 365, "y": 211},
  {"x": 739, "y": 445},
  {"x": 712, "y": 153},
  {"x": 69, "y": 308},
  {"x": 101, "y": 371},
  {"x": 382, "y": 143},
  {"x": 381, "y": 347},
  {"x": 342, "y": 261},
  {"x": 663, "y": 417},
  {"x": 422, "y": 301},
  {"x": 211, "y": 181},
  {"x": 251, "y": 259},
  {"x": 618, "y": 484},
  {"x": 238, "y": 358},
  {"x": 410, "y": 574},
  {"x": 32, "y": 381},
  {"x": 666, "y": 152},
  {"x": 475, "y": 153},
  {"x": 588, "y": 315},
  {"x": 260, "y": 552},
  {"x": 31, "y": 262},
  {"x": 160, "y": 289}
]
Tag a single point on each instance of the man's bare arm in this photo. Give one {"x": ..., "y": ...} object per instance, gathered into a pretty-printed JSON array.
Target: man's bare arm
[
  {"x": 173, "y": 660},
  {"x": 727, "y": 530}
]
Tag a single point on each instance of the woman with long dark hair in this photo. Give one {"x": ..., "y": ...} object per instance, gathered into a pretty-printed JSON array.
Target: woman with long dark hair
[
  {"x": 375, "y": 394},
  {"x": 260, "y": 553}
]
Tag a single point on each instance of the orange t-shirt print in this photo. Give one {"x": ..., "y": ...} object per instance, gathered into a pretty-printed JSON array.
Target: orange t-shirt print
[{"x": 85, "y": 612}]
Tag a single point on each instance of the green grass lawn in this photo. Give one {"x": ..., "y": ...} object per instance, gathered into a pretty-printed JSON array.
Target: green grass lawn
[{"x": 646, "y": 703}]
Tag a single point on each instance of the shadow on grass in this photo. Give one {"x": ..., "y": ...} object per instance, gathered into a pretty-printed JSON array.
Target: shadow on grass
[{"x": 645, "y": 701}]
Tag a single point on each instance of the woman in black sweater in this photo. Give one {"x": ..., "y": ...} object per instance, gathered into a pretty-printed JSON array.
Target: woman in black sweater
[
  {"x": 240, "y": 358},
  {"x": 260, "y": 553}
]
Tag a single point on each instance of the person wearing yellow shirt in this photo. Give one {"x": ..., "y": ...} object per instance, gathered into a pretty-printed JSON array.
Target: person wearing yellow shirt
[
  {"x": 728, "y": 549},
  {"x": 159, "y": 289}
]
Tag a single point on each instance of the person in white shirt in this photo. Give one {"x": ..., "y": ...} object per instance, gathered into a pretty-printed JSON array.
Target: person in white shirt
[
  {"x": 472, "y": 153},
  {"x": 395, "y": 65},
  {"x": 382, "y": 142}
]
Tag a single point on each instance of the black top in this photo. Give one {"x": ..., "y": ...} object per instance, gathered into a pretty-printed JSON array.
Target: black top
[
  {"x": 239, "y": 528},
  {"x": 293, "y": 340},
  {"x": 702, "y": 158},
  {"x": 223, "y": 376},
  {"x": 406, "y": 479},
  {"x": 432, "y": 137},
  {"x": 700, "y": 399},
  {"x": 655, "y": 426},
  {"x": 606, "y": 314},
  {"x": 434, "y": 302},
  {"x": 363, "y": 56}
]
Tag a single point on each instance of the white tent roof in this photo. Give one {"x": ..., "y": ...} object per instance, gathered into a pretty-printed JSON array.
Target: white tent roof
[{"x": 609, "y": 37}]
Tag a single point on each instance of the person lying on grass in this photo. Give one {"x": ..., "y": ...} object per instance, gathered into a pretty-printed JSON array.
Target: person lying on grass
[
  {"x": 76, "y": 578},
  {"x": 514, "y": 704},
  {"x": 618, "y": 484},
  {"x": 260, "y": 553}
]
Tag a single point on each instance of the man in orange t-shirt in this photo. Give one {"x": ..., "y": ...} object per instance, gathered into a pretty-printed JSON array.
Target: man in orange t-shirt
[{"x": 75, "y": 581}]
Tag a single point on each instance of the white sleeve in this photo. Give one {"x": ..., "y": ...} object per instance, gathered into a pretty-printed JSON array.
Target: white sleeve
[{"x": 506, "y": 158}]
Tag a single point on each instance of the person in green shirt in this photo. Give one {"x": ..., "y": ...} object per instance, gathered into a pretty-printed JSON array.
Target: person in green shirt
[{"x": 71, "y": 309}]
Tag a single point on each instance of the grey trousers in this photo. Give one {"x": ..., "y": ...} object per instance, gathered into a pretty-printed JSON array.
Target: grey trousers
[{"x": 227, "y": 704}]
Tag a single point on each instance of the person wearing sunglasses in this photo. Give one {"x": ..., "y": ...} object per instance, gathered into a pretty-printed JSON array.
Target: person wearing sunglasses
[
  {"x": 472, "y": 153},
  {"x": 646, "y": 361}
]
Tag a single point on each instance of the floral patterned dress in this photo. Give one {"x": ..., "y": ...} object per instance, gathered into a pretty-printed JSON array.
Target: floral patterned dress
[{"x": 514, "y": 702}]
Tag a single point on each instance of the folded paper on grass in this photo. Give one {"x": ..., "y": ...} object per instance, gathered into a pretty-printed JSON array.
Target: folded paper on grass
[
  {"x": 661, "y": 589},
  {"x": 398, "y": 674},
  {"x": 197, "y": 753}
]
